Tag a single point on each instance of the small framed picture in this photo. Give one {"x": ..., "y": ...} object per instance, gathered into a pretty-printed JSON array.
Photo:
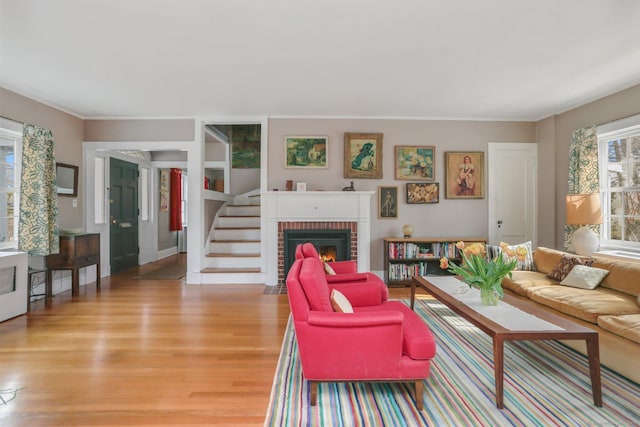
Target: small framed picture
[
  {"x": 464, "y": 175},
  {"x": 387, "y": 202},
  {"x": 301, "y": 186},
  {"x": 415, "y": 162},
  {"x": 306, "y": 152},
  {"x": 423, "y": 192},
  {"x": 363, "y": 155}
]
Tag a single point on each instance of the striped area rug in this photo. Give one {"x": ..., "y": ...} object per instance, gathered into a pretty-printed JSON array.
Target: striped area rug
[{"x": 546, "y": 384}]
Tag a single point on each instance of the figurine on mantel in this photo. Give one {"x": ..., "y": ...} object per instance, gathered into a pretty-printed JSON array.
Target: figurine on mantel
[{"x": 349, "y": 188}]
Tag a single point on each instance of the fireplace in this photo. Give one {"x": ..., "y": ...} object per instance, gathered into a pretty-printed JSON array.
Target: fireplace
[
  {"x": 331, "y": 244},
  {"x": 314, "y": 210}
]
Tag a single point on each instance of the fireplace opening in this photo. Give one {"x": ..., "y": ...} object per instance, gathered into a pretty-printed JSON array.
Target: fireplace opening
[{"x": 331, "y": 244}]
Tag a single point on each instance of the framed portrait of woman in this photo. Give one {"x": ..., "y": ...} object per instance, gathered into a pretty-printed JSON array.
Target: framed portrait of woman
[{"x": 464, "y": 175}]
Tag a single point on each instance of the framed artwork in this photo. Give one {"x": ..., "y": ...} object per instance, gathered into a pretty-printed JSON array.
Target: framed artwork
[
  {"x": 363, "y": 155},
  {"x": 306, "y": 152},
  {"x": 301, "y": 186},
  {"x": 387, "y": 202},
  {"x": 423, "y": 192},
  {"x": 464, "y": 175},
  {"x": 415, "y": 162}
]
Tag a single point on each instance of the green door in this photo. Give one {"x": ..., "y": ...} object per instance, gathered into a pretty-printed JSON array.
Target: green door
[{"x": 124, "y": 215}]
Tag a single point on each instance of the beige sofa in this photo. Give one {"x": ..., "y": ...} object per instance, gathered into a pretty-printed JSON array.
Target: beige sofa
[{"x": 612, "y": 308}]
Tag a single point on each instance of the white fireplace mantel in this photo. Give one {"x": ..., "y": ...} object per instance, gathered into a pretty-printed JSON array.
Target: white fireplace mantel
[{"x": 329, "y": 206}]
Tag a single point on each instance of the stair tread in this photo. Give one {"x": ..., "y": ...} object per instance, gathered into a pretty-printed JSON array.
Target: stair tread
[
  {"x": 223, "y": 254},
  {"x": 233, "y": 241},
  {"x": 230, "y": 270}
]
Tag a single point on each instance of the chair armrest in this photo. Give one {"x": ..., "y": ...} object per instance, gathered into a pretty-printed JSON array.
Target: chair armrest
[
  {"x": 344, "y": 267},
  {"x": 357, "y": 320},
  {"x": 363, "y": 293},
  {"x": 347, "y": 277}
]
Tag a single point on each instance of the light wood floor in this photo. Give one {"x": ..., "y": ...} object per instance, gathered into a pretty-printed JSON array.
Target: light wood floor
[{"x": 143, "y": 352}]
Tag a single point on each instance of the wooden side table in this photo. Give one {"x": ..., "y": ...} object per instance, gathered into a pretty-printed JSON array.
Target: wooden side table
[{"x": 76, "y": 251}]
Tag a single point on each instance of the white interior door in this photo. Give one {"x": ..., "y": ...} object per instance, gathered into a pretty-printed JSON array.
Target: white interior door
[{"x": 512, "y": 173}]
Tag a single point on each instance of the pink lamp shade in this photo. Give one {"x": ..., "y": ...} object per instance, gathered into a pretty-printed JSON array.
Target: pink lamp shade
[{"x": 584, "y": 209}]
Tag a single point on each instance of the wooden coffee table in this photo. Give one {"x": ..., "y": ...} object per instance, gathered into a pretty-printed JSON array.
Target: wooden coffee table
[{"x": 559, "y": 329}]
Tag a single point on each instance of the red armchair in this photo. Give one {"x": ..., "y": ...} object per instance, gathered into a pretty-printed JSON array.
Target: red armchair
[
  {"x": 346, "y": 271},
  {"x": 381, "y": 341}
]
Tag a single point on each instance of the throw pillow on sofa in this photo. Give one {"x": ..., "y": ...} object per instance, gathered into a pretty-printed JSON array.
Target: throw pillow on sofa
[
  {"x": 566, "y": 264},
  {"x": 584, "y": 277},
  {"x": 340, "y": 303},
  {"x": 521, "y": 252},
  {"x": 328, "y": 270}
]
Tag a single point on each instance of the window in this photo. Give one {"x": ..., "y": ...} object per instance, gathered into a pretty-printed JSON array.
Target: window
[
  {"x": 619, "y": 151},
  {"x": 10, "y": 156}
]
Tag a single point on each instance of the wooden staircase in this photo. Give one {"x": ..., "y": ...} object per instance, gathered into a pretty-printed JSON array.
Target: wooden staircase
[{"x": 234, "y": 249}]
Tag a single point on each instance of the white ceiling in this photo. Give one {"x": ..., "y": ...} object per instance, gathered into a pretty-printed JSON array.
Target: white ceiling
[{"x": 468, "y": 59}]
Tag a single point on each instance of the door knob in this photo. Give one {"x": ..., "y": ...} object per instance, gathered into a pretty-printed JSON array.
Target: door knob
[{"x": 499, "y": 223}]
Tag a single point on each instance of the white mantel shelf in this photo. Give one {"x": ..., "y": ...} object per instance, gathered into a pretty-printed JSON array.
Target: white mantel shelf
[{"x": 329, "y": 206}]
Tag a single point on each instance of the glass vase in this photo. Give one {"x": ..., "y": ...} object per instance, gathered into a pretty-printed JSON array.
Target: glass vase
[{"x": 489, "y": 296}]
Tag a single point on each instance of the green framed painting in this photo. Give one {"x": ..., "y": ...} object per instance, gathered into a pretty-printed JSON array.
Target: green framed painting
[
  {"x": 415, "y": 162},
  {"x": 306, "y": 152}
]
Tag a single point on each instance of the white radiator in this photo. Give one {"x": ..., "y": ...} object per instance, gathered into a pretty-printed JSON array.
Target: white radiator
[{"x": 13, "y": 284}]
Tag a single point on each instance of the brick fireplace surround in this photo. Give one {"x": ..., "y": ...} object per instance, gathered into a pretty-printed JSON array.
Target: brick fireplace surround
[
  {"x": 302, "y": 225},
  {"x": 309, "y": 210}
]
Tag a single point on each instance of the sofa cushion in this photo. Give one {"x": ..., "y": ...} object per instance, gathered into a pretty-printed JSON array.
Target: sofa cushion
[
  {"x": 585, "y": 304},
  {"x": 566, "y": 264},
  {"x": 315, "y": 285},
  {"x": 417, "y": 340},
  {"x": 623, "y": 275},
  {"x": 340, "y": 303},
  {"x": 522, "y": 253},
  {"x": 546, "y": 259},
  {"x": 627, "y": 325},
  {"x": 584, "y": 277},
  {"x": 521, "y": 281}
]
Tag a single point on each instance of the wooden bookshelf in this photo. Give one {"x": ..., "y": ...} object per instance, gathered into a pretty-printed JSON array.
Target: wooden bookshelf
[{"x": 406, "y": 257}]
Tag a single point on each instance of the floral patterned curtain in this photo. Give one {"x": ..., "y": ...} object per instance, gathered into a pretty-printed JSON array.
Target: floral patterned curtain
[
  {"x": 584, "y": 177},
  {"x": 38, "y": 228}
]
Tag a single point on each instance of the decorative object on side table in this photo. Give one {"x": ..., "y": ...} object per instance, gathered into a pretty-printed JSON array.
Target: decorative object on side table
[
  {"x": 481, "y": 273},
  {"x": 407, "y": 231},
  {"x": 584, "y": 210}
]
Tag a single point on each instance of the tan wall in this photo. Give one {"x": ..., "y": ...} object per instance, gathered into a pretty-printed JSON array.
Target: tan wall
[
  {"x": 613, "y": 107},
  {"x": 449, "y": 218},
  {"x": 140, "y": 130},
  {"x": 68, "y": 133}
]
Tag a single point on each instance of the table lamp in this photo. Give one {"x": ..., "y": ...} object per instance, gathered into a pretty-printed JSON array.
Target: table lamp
[{"x": 584, "y": 209}]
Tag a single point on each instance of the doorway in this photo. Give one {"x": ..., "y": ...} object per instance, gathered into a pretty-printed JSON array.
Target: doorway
[
  {"x": 123, "y": 222},
  {"x": 512, "y": 192}
]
